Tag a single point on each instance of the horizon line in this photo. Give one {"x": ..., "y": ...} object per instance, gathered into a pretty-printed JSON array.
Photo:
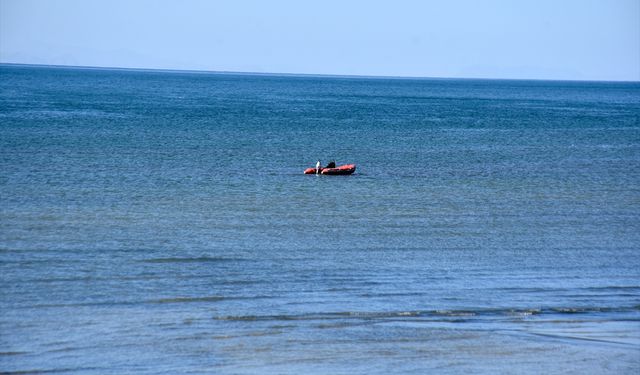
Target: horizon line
[{"x": 323, "y": 75}]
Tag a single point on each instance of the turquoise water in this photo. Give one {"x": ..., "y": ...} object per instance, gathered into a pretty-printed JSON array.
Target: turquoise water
[{"x": 159, "y": 222}]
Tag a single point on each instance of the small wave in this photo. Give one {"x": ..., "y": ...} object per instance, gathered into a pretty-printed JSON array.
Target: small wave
[
  {"x": 583, "y": 338},
  {"x": 46, "y": 280},
  {"x": 426, "y": 314},
  {"x": 530, "y": 290},
  {"x": 204, "y": 299},
  {"x": 614, "y": 287},
  {"x": 454, "y": 313},
  {"x": 189, "y": 299},
  {"x": 249, "y": 334},
  {"x": 81, "y": 304},
  {"x": 579, "y": 310},
  {"x": 191, "y": 260},
  {"x": 386, "y": 295},
  {"x": 323, "y": 316},
  {"x": 180, "y": 299}
]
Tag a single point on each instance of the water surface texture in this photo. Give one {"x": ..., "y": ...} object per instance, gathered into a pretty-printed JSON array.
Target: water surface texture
[{"x": 159, "y": 223}]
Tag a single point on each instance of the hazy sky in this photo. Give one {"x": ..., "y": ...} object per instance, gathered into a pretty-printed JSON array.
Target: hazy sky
[{"x": 543, "y": 39}]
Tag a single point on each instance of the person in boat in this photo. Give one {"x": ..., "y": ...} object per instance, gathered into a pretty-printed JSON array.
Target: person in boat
[
  {"x": 332, "y": 164},
  {"x": 318, "y": 167}
]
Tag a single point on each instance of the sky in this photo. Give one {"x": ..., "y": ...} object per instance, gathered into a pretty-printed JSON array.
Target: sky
[{"x": 528, "y": 39}]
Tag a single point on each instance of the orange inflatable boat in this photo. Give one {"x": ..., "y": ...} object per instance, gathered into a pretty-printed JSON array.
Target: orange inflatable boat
[{"x": 341, "y": 170}]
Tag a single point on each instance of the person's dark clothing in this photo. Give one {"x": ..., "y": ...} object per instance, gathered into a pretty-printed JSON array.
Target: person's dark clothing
[{"x": 332, "y": 164}]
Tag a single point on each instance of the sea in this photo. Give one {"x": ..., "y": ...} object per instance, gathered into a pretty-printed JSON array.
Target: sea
[{"x": 159, "y": 222}]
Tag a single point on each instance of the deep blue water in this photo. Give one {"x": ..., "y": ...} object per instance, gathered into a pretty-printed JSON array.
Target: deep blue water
[{"x": 159, "y": 222}]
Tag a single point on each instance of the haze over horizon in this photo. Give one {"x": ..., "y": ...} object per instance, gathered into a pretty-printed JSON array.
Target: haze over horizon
[{"x": 569, "y": 40}]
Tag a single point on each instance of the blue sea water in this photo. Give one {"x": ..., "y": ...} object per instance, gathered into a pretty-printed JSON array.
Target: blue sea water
[{"x": 159, "y": 222}]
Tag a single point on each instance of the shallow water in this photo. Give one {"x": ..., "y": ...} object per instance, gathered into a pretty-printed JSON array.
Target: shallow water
[{"x": 159, "y": 222}]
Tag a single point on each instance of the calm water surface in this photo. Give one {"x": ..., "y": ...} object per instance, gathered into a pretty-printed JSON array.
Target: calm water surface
[{"x": 160, "y": 223}]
